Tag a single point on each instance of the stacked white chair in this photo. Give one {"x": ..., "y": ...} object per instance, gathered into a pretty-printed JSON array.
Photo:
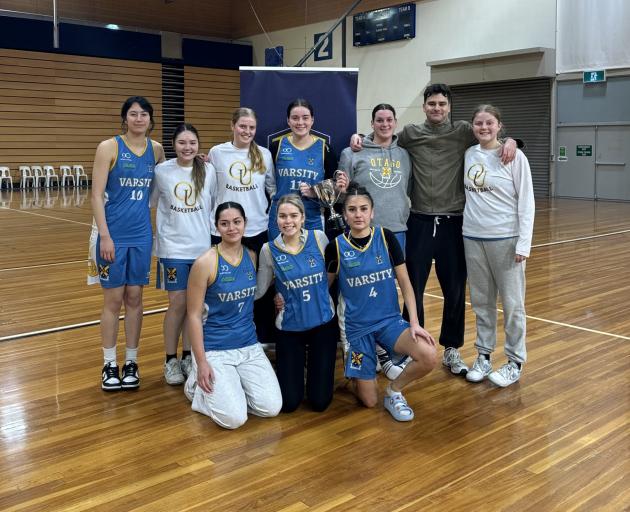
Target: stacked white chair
[
  {"x": 5, "y": 175},
  {"x": 80, "y": 174},
  {"x": 49, "y": 172},
  {"x": 38, "y": 175},
  {"x": 66, "y": 175},
  {"x": 26, "y": 176}
]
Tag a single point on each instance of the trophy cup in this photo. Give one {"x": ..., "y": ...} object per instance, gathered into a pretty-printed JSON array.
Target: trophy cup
[{"x": 328, "y": 193}]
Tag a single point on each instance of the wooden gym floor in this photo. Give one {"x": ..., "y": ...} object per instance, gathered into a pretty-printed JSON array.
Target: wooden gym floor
[{"x": 557, "y": 440}]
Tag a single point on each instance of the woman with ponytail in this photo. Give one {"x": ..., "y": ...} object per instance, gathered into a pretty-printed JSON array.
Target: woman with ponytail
[
  {"x": 244, "y": 173},
  {"x": 184, "y": 192}
]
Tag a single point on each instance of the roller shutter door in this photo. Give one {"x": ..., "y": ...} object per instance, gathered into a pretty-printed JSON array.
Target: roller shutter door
[{"x": 526, "y": 109}]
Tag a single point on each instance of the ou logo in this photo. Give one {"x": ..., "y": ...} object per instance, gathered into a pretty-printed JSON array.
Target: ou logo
[
  {"x": 184, "y": 192},
  {"x": 349, "y": 254},
  {"x": 477, "y": 174},
  {"x": 280, "y": 258},
  {"x": 126, "y": 156},
  {"x": 240, "y": 172}
]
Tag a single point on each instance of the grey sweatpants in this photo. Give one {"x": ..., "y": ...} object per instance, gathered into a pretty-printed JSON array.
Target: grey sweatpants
[{"x": 492, "y": 270}]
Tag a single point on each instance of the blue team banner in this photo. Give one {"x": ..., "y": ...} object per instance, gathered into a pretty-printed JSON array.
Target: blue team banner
[{"x": 331, "y": 91}]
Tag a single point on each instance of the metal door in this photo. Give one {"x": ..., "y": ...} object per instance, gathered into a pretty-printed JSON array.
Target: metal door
[
  {"x": 612, "y": 171},
  {"x": 575, "y": 171}
]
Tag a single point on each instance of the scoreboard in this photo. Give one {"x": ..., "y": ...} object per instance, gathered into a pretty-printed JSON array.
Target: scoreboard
[{"x": 383, "y": 25}]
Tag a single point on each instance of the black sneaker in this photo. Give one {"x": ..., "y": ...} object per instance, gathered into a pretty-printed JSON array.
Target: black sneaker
[
  {"x": 111, "y": 380},
  {"x": 130, "y": 375}
]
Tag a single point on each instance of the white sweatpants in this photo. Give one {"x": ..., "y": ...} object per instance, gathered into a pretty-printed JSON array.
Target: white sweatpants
[
  {"x": 491, "y": 270},
  {"x": 243, "y": 381}
]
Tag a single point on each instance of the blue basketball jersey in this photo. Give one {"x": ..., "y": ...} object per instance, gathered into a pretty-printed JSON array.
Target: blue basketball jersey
[
  {"x": 228, "y": 318},
  {"x": 127, "y": 194},
  {"x": 302, "y": 281},
  {"x": 293, "y": 166},
  {"x": 367, "y": 285}
]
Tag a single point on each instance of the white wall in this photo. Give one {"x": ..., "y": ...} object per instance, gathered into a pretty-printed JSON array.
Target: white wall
[{"x": 397, "y": 72}]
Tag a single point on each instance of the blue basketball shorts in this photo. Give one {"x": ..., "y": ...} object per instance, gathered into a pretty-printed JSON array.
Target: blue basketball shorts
[
  {"x": 172, "y": 274},
  {"x": 361, "y": 358},
  {"x": 131, "y": 266}
]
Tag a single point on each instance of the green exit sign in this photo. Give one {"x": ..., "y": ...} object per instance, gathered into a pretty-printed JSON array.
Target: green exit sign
[{"x": 593, "y": 77}]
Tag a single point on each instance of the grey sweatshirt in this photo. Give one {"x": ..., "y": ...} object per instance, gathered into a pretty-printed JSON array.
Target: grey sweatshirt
[{"x": 385, "y": 173}]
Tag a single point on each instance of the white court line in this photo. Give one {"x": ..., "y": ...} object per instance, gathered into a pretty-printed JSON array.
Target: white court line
[
  {"x": 562, "y": 324},
  {"x": 47, "y": 216},
  {"x": 70, "y": 326},
  {"x": 43, "y": 265},
  {"x": 580, "y": 239}
]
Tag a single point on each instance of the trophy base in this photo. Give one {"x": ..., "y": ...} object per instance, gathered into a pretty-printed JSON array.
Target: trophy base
[{"x": 336, "y": 223}]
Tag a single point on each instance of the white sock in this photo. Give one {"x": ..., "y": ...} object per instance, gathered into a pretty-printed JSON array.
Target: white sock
[
  {"x": 109, "y": 355},
  {"x": 131, "y": 354},
  {"x": 390, "y": 392}
]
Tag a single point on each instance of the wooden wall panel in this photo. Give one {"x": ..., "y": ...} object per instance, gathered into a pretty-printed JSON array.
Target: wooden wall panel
[
  {"x": 211, "y": 95},
  {"x": 55, "y": 109}
]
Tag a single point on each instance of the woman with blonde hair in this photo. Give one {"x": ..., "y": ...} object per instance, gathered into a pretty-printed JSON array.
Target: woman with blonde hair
[{"x": 307, "y": 339}]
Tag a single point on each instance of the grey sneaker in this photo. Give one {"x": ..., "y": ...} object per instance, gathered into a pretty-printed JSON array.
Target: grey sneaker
[
  {"x": 508, "y": 374},
  {"x": 186, "y": 365},
  {"x": 480, "y": 369},
  {"x": 453, "y": 360},
  {"x": 173, "y": 372}
]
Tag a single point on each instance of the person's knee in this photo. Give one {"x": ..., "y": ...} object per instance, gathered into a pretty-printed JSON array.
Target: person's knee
[
  {"x": 425, "y": 355},
  {"x": 133, "y": 298},
  {"x": 177, "y": 303},
  {"x": 320, "y": 404},
  {"x": 368, "y": 397},
  {"x": 113, "y": 303},
  {"x": 231, "y": 420}
]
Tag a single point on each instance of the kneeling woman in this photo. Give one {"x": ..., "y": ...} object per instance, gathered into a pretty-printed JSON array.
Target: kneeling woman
[
  {"x": 307, "y": 333},
  {"x": 231, "y": 373},
  {"x": 368, "y": 262}
]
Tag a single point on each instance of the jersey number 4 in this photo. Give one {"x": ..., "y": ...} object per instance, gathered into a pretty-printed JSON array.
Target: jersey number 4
[{"x": 373, "y": 292}]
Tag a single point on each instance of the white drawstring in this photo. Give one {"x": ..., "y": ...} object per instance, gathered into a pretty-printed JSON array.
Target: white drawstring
[{"x": 436, "y": 221}]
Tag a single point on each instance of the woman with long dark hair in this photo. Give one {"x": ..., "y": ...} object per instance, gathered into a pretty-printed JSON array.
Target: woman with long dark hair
[
  {"x": 231, "y": 374},
  {"x": 184, "y": 190}
]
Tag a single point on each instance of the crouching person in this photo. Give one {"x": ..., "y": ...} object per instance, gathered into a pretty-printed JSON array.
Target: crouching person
[{"x": 231, "y": 374}]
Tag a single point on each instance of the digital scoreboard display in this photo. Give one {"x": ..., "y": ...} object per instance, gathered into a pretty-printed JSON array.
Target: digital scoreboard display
[{"x": 383, "y": 25}]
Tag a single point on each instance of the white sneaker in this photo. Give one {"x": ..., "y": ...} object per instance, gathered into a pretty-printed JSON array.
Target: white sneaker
[
  {"x": 508, "y": 374},
  {"x": 453, "y": 360},
  {"x": 186, "y": 365},
  {"x": 480, "y": 369},
  {"x": 173, "y": 372}
]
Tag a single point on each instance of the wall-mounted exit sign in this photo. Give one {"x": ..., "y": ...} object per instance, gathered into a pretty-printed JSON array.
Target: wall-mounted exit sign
[{"x": 593, "y": 77}]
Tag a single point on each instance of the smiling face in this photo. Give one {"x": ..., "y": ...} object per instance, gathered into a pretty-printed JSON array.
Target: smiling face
[
  {"x": 300, "y": 121},
  {"x": 383, "y": 124},
  {"x": 137, "y": 120},
  {"x": 231, "y": 225},
  {"x": 436, "y": 108},
  {"x": 244, "y": 131},
  {"x": 358, "y": 212},
  {"x": 486, "y": 129},
  {"x": 290, "y": 219},
  {"x": 186, "y": 147}
]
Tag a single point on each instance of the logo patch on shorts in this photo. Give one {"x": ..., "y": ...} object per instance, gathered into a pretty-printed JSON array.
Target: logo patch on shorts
[
  {"x": 103, "y": 272},
  {"x": 171, "y": 274},
  {"x": 356, "y": 360}
]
